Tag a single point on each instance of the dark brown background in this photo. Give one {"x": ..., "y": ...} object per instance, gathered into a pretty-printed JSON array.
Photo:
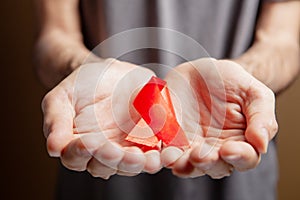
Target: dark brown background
[{"x": 26, "y": 170}]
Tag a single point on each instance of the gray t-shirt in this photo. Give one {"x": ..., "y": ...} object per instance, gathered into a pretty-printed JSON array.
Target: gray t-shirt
[{"x": 224, "y": 28}]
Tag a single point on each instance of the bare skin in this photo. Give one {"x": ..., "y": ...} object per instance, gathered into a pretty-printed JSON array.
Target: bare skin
[
  {"x": 86, "y": 132},
  {"x": 60, "y": 51},
  {"x": 274, "y": 60},
  {"x": 236, "y": 122}
]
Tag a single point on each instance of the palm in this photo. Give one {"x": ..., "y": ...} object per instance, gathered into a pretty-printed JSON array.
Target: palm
[
  {"x": 211, "y": 107},
  {"x": 90, "y": 113},
  {"x": 212, "y": 101},
  {"x": 102, "y": 99}
]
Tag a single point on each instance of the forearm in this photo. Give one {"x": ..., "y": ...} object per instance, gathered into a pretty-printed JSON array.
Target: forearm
[
  {"x": 274, "y": 57},
  {"x": 59, "y": 48},
  {"x": 56, "y": 56},
  {"x": 276, "y": 65}
]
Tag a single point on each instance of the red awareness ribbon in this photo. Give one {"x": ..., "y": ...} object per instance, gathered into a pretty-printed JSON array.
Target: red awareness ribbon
[{"x": 158, "y": 125}]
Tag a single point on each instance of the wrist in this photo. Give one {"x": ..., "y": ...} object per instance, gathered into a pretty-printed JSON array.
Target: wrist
[
  {"x": 275, "y": 63},
  {"x": 56, "y": 56}
]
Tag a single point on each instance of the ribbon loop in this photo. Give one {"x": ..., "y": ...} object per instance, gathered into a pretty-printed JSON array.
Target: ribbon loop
[{"x": 155, "y": 107}]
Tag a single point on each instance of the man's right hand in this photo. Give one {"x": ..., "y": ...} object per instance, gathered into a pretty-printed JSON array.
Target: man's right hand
[{"x": 88, "y": 115}]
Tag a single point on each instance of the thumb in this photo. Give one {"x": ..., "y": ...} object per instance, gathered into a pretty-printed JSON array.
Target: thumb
[
  {"x": 260, "y": 116},
  {"x": 58, "y": 121}
]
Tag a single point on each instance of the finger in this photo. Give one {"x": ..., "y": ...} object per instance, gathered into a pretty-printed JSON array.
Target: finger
[
  {"x": 169, "y": 155},
  {"x": 97, "y": 169},
  {"x": 205, "y": 158},
  {"x": 153, "y": 162},
  {"x": 194, "y": 173},
  {"x": 241, "y": 155},
  {"x": 75, "y": 156},
  {"x": 219, "y": 170},
  {"x": 58, "y": 121},
  {"x": 106, "y": 160},
  {"x": 78, "y": 152},
  {"x": 110, "y": 154},
  {"x": 260, "y": 115},
  {"x": 182, "y": 167},
  {"x": 133, "y": 162}
]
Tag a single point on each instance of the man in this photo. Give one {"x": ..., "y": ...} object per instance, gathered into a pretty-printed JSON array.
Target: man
[{"x": 225, "y": 29}]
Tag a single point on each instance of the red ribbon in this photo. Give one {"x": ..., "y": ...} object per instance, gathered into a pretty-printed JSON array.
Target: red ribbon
[{"x": 155, "y": 107}]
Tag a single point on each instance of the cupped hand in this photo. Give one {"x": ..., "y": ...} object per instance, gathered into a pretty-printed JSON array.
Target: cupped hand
[
  {"x": 227, "y": 114},
  {"x": 89, "y": 114}
]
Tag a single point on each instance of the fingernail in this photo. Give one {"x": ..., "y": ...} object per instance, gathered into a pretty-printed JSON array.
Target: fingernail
[{"x": 265, "y": 138}]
